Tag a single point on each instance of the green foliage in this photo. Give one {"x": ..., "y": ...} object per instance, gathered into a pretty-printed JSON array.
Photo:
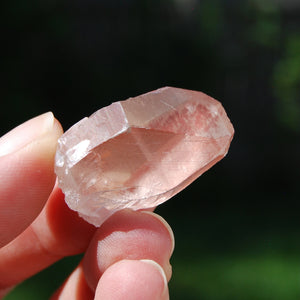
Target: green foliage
[
  {"x": 286, "y": 84},
  {"x": 247, "y": 277},
  {"x": 265, "y": 28},
  {"x": 210, "y": 16}
]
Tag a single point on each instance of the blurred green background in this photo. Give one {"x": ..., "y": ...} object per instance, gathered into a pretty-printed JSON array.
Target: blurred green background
[{"x": 237, "y": 227}]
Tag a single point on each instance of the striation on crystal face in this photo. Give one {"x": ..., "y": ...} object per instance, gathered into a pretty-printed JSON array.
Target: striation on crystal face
[{"x": 140, "y": 152}]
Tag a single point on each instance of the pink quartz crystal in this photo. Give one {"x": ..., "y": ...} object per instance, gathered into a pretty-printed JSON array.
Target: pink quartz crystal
[{"x": 140, "y": 152}]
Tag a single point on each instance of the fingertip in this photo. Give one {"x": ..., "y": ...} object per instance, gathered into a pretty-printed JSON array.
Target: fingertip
[
  {"x": 128, "y": 235},
  {"x": 158, "y": 267},
  {"x": 133, "y": 279},
  {"x": 57, "y": 127},
  {"x": 28, "y": 132},
  {"x": 165, "y": 223}
]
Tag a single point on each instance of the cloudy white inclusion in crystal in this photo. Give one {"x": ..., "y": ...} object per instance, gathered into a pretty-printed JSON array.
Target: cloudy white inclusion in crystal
[{"x": 140, "y": 152}]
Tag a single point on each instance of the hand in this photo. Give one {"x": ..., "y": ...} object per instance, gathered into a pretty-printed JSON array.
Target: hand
[{"x": 126, "y": 258}]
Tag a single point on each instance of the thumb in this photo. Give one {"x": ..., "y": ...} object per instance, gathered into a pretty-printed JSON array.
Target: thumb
[{"x": 26, "y": 173}]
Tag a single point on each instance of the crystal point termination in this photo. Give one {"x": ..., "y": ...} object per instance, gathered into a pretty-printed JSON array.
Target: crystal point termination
[{"x": 140, "y": 152}]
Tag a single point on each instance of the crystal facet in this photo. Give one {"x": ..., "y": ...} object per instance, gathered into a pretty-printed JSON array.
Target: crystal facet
[{"x": 140, "y": 152}]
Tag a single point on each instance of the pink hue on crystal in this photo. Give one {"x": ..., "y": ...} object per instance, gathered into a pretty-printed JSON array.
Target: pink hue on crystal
[{"x": 140, "y": 152}]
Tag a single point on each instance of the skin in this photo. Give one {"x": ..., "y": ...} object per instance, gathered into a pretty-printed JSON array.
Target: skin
[{"x": 126, "y": 258}]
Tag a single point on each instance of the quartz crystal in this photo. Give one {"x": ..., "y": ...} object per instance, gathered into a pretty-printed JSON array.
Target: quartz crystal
[{"x": 140, "y": 152}]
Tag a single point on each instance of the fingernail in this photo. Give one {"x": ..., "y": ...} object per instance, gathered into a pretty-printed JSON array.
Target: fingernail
[
  {"x": 165, "y": 292},
  {"x": 26, "y": 133},
  {"x": 162, "y": 220}
]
